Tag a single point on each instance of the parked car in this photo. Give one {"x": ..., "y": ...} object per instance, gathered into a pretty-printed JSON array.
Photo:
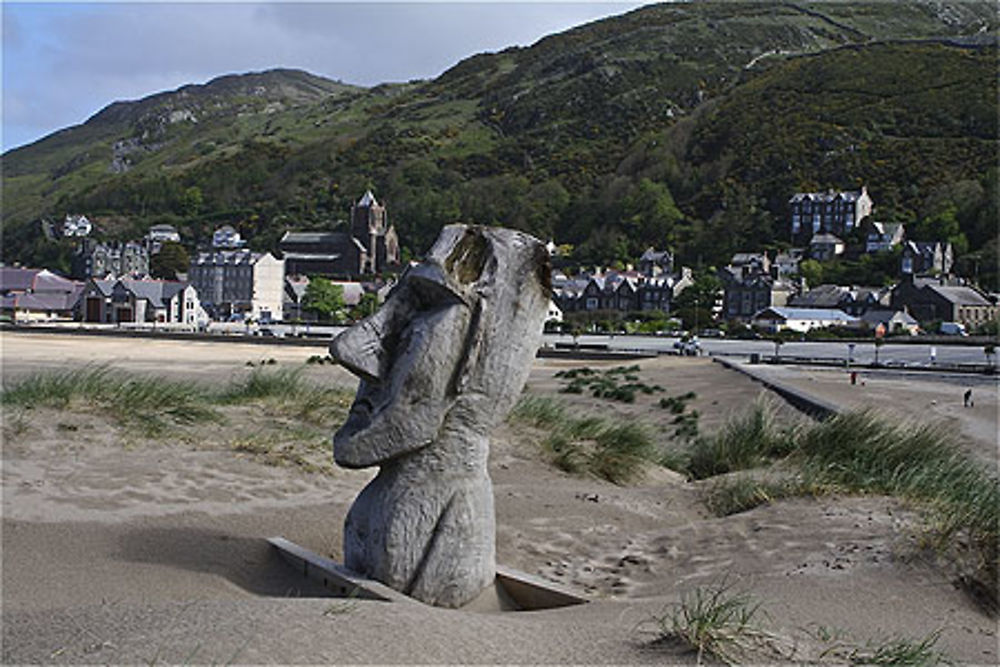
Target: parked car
[{"x": 953, "y": 329}]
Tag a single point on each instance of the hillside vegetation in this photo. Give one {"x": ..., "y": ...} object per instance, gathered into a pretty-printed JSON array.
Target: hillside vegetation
[{"x": 686, "y": 125}]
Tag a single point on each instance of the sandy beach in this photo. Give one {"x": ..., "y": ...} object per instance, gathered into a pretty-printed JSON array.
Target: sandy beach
[{"x": 124, "y": 549}]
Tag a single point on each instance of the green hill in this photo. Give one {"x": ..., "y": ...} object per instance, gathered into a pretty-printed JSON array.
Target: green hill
[{"x": 687, "y": 124}]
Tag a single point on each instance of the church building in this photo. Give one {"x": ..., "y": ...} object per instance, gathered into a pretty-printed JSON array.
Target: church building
[{"x": 370, "y": 246}]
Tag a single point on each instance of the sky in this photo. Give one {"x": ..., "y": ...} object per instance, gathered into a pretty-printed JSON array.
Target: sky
[{"x": 64, "y": 62}]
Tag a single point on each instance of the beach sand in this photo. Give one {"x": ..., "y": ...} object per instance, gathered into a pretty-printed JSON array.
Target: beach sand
[{"x": 151, "y": 550}]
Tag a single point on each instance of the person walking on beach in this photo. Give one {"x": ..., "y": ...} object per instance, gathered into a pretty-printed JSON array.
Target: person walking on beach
[{"x": 968, "y": 398}]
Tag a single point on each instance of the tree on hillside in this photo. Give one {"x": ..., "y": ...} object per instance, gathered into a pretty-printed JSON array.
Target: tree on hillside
[
  {"x": 650, "y": 214},
  {"x": 171, "y": 260},
  {"x": 812, "y": 271},
  {"x": 694, "y": 305},
  {"x": 323, "y": 298}
]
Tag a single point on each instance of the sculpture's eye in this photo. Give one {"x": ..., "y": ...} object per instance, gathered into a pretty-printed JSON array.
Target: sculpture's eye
[{"x": 430, "y": 295}]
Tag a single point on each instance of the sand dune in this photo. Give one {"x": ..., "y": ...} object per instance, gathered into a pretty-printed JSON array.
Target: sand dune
[{"x": 152, "y": 549}]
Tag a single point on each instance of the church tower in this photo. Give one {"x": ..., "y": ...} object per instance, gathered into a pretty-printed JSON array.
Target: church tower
[{"x": 368, "y": 225}]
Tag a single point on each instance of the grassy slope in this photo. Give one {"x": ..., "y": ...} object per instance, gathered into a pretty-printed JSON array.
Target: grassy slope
[{"x": 561, "y": 114}]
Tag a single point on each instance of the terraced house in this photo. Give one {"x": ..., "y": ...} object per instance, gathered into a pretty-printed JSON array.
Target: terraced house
[
  {"x": 239, "y": 283},
  {"x": 125, "y": 301},
  {"x": 101, "y": 260},
  {"x": 622, "y": 291},
  {"x": 832, "y": 212}
]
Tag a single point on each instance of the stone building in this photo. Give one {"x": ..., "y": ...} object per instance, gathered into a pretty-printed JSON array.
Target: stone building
[
  {"x": 829, "y": 212},
  {"x": 746, "y": 295},
  {"x": 239, "y": 283},
  {"x": 370, "y": 246},
  {"x": 626, "y": 291},
  {"x": 100, "y": 260},
  {"x": 937, "y": 299},
  {"x": 921, "y": 258}
]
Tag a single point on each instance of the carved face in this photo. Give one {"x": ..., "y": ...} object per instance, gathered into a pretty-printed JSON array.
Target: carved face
[
  {"x": 407, "y": 356},
  {"x": 459, "y": 329}
]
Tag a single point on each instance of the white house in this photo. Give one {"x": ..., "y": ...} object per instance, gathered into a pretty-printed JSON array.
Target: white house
[
  {"x": 775, "y": 319},
  {"x": 76, "y": 225},
  {"x": 163, "y": 233},
  {"x": 227, "y": 237},
  {"x": 555, "y": 313},
  {"x": 825, "y": 247}
]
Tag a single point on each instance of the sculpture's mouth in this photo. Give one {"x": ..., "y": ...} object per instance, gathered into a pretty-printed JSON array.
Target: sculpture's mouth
[{"x": 359, "y": 417}]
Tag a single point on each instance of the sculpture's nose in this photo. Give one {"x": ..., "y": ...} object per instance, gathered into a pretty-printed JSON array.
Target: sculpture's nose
[{"x": 361, "y": 348}]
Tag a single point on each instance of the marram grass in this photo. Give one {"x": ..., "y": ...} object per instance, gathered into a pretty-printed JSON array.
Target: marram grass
[
  {"x": 152, "y": 403},
  {"x": 615, "y": 450}
]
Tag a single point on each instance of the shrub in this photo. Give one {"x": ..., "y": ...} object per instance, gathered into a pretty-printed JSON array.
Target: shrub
[
  {"x": 717, "y": 621},
  {"x": 610, "y": 449},
  {"x": 745, "y": 441}
]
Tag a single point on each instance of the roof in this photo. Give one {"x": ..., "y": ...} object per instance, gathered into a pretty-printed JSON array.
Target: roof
[
  {"x": 157, "y": 292},
  {"x": 821, "y": 296},
  {"x": 48, "y": 301},
  {"x": 651, "y": 255},
  {"x": 824, "y": 238},
  {"x": 873, "y": 316},
  {"x": 789, "y": 256},
  {"x": 352, "y": 291},
  {"x": 888, "y": 228},
  {"x": 103, "y": 286},
  {"x": 216, "y": 257},
  {"x": 313, "y": 237},
  {"x": 367, "y": 200},
  {"x": 13, "y": 279},
  {"x": 46, "y": 281},
  {"x": 807, "y": 314},
  {"x": 747, "y": 257},
  {"x": 965, "y": 296},
  {"x": 829, "y": 195},
  {"x": 316, "y": 256}
]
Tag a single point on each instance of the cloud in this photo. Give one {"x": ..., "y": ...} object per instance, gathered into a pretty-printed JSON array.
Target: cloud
[{"x": 63, "y": 63}]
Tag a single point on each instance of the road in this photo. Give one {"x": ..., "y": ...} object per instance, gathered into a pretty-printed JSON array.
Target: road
[
  {"x": 910, "y": 354},
  {"x": 863, "y": 353}
]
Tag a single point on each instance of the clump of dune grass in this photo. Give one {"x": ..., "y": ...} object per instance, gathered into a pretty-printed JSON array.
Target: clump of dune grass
[
  {"x": 615, "y": 450},
  {"x": 150, "y": 403},
  {"x": 310, "y": 455},
  {"x": 863, "y": 452},
  {"x": 620, "y": 383},
  {"x": 153, "y": 403},
  {"x": 260, "y": 383},
  {"x": 539, "y": 411},
  {"x": 290, "y": 392},
  {"x": 894, "y": 650},
  {"x": 720, "y": 622},
  {"x": 745, "y": 441},
  {"x": 732, "y": 495}
]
